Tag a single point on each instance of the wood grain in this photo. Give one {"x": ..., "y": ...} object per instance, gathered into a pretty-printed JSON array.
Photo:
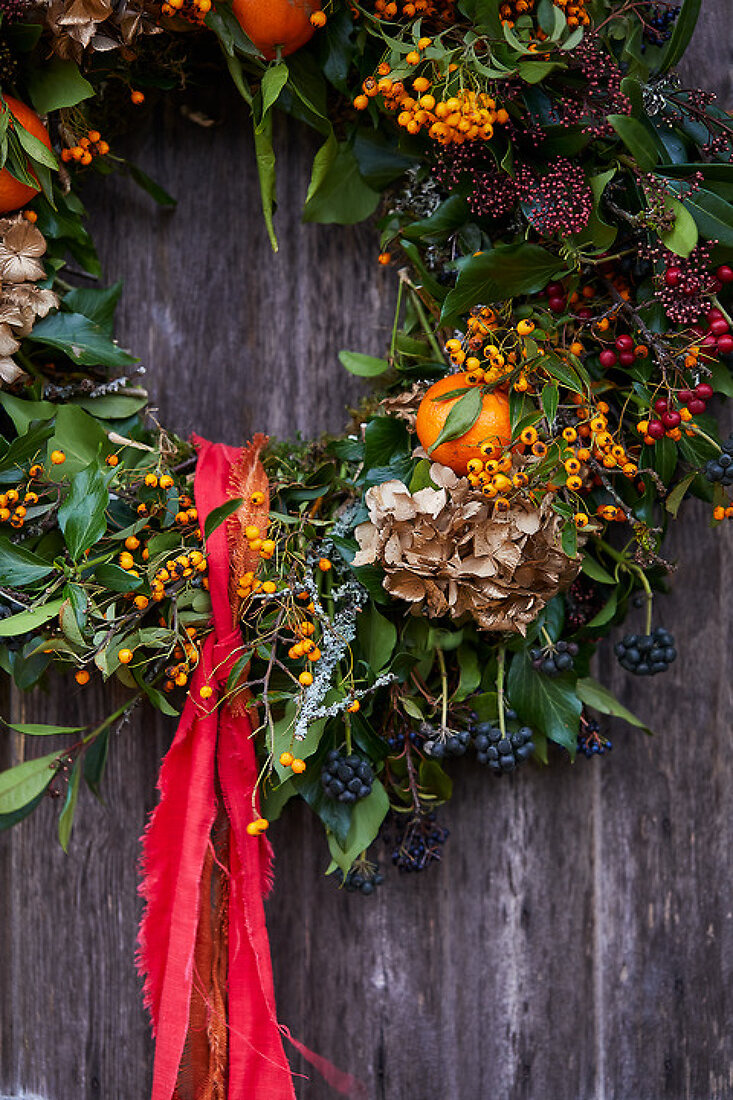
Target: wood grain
[{"x": 575, "y": 941}]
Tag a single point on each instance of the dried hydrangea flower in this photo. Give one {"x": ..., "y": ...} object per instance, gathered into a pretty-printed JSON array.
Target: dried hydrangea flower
[{"x": 447, "y": 552}]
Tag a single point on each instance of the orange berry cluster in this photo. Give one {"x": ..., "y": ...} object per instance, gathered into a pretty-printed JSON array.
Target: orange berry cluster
[
  {"x": 294, "y": 762},
  {"x": 86, "y": 149},
  {"x": 187, "y": 657},
  {"x": 720, "y": 512},
  {"x": 176, "y": 569},
  {"x": 575, "y": 11},
  {"x": 193, "y": 11},
  {"x": 14, "y": 503},
  {"x": 436, "y": 11},
  {"x": 465, "y": 116}
]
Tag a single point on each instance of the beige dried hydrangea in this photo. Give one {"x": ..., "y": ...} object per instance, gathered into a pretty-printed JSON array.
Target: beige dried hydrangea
[
  {"x": 445, "y": 551},
  {"x": 21, "y": 301}
]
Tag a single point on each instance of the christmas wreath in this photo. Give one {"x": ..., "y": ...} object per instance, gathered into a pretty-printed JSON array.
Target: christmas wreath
[{"x": 558, "y": 209}]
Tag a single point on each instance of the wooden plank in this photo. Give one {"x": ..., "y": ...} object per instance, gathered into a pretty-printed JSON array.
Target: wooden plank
[
  {"x": 664, "y": 891},
  {"x": 529, "y": 962}
]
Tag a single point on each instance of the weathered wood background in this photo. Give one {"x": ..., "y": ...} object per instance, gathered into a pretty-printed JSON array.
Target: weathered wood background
[{"x": 576, "y": 942}]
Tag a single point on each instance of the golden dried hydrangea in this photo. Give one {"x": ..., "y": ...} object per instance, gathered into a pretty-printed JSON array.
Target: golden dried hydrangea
[
  {"x": 447, "y": 552},
  {"x": 21, "y": 301}
]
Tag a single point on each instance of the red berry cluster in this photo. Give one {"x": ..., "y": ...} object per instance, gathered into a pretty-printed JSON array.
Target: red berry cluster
[
  {"x": 557, "y": 297},
  {"x": 623, "y": 355},
  {"x": 683, "y": 286},
  {"x": 717, "y": 336},
  {"x": 669, "y": 418}
]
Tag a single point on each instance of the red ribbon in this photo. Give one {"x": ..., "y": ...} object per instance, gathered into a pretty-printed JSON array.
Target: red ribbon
[
  {"x": 211, "y": 743},
  {"x": 213, "y": 751}
]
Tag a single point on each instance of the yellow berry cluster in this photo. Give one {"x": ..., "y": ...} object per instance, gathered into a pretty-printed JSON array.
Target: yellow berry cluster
[
  {"x": 575, "y": 11},
  {"x": 86, "y": 149},
  {"x": 435, "y": 11},
  {"x": 14, "y": 503},
  {"x": 187, "y": 657},
  {"x": 177, "y": 569},
  {"x": 193, "y": 11},
  {"x": 448, "y": 119}
]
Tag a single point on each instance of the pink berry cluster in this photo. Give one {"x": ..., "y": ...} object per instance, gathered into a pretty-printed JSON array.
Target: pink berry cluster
[
  {"x": 596, "y": 95},
  {"x": 493, "y": 193},
  {"x": 684, "y": 286},
  {"x": 559, "y": 201}
]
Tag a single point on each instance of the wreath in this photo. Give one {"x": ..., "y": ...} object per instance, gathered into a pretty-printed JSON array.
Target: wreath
[{"x": 557, "y": 207}]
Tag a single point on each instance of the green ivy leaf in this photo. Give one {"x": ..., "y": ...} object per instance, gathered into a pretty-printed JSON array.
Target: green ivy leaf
[
  {"x": 85, "y": 343},
  {"x": 552, "y": 705},
  {"x": 434, "y": 781},
  {"x": 341, "y": 197},
  {"x": 82, "y": 515},
  {"x": 675, "y": 498},
  {"x": 24, "y": 782},
  {"x": 377, "y": 638},
  {"x": 367, "y": 816},
  {"x": 95, "y": 760},
  {"x": 56, "y": 84},
  {"x": 461, "y": 417},
  {"x": 503, "y": 272},
  {"x": 265, "y": 157}
]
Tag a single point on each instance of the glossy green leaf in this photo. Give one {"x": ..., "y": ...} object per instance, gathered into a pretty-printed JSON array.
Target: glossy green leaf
[
  {"x": 24, "y": 782},
  {"x": 595, "y": 695},
  {"x": 377, "y": 639},
  {"x": 57, "y": 83},
  {"x": 37, "y": 729},
  {"x": 365, "y": 366},
  {"x": 82, "y": 515},
  {"x": 66, "y": 818},
  {"x": 682, "y": 238},
  {"x": 20, "y": 567},
  {"x": 27, "y": 621},
  {"x": 265, "y": 158},
  {"x": 217, "y": 516},
  {"x": 503, "y": 272},
  {"x": 552, "y": 705},
  {"x": 637, "y": 139},
  {"x": 684, "y": 26},
  {"x": 85, "y": 343},
  {"x": 151, "y": 186},
  {"x": 273, "y": 81},
  {"x": 366, "y": 818},
  {"x": 342, "y": 196},
  {"x": 461, "y": 417}
]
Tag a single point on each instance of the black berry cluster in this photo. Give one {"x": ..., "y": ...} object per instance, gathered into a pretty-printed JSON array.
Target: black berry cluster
[
  {"x": 646, "y": 654},
  {"x": 417, "y": 842},
  {"x": 503, "y": 752},
  {"x": 583, "y": 600},
  {"x": 362, "y": 878},
  {"x": 445, "y": 743},
  {"x": 346, "y": 778},
  {"x": 658, "y": 25},
  {"x": 720, "y": 468},
  {"x": 552, "y": 660},
  {"x": 591, "y": 741},
  {"x": 397, "y": 738}
]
